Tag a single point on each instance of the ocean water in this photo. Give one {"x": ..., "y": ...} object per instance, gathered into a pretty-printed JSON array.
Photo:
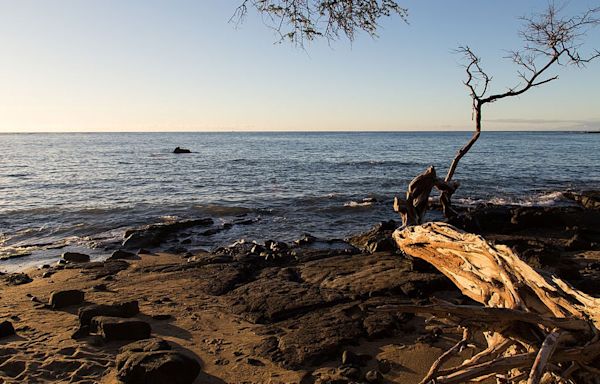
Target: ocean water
[{"x": 81, "y": 191}]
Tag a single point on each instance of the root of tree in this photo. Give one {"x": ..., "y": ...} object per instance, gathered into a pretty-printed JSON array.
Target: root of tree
[{"x": 537, "y": 327}]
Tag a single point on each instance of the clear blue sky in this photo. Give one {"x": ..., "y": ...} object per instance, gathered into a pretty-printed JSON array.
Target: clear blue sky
[{"x": 127, "y": 65}]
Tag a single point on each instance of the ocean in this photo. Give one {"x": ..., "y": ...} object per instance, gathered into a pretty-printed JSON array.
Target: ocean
[{"x": 81, "y": 191}]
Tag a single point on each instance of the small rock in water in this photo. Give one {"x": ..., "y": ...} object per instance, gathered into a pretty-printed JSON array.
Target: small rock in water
[
  {"x": 181, "y": 150},
  {"x": 61, "y": 299},
  {"x": 75, "y": 257},
  {"x": 6, "y": 329}
]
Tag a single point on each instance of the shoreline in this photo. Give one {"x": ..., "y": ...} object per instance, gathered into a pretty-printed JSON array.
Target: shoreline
[{"x": 281, "y": 313}]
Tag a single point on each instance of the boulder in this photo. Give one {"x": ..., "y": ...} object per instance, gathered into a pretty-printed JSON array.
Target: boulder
[
  {"x": 61, "y": 299},
  {"x": 158, "y": 367},
  {"x": 6, "y": 329},
  {"x": 181, "y": 150},
  {"x": 124, "y": 309},
  {"x": 123, "y": 255},
  {"x": 75, "y": 257},
  {"x": 117, "y": 328},
  {"x": 16, "y": 278}
]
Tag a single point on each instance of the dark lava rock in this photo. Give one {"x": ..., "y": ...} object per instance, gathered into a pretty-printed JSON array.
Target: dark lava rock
[
  {"x": 153, "y": 235},
  {"x": 100, "y": 287},
  {"x": 269, "y": 298},
  {"x": 117, "y": 328},
  {"x": 16, "y": 278},
  {"x": 61, "y": 299},
  {"x": 124, "y": 309},
  {"x": 313, "y": 338},
  {"x": 350, "y": 372},
  {"x": 6, "y": 329},
  {"x": 181, "y": 150},
  {"x": 123, "y": 255},
  {"x": 378, "y": 239},
  {"x": 75, "y": 257},
  {"x": 153, "y": 361}
]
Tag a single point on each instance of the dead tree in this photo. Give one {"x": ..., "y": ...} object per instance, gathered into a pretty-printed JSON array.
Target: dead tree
[
  {"x": 536, "y": 325},
  {"x": 550, "y": 40},
  {"x": 298, "y": 21}
]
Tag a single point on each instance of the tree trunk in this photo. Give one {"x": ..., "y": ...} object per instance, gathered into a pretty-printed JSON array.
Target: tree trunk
[{"x": 534, "y": 324}]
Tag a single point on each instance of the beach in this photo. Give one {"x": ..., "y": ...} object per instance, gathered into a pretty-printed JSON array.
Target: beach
[{"x": 309, "y": 311}]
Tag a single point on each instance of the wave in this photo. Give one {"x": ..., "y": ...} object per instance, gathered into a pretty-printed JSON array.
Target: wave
[{"x": 546, "y": 199}]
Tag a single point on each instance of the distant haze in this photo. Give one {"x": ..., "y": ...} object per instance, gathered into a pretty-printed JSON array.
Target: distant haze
[{"x": 155, "y": 65}]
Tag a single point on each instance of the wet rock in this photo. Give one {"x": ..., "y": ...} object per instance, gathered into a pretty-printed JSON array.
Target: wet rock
[
  {"x": 75, "y": 257},
  {"x": 16, "y": 278},
  {"x": 123, "y": 255},
  {"x": 155, "y": 234},
  {"x": 305, "y": 240},
  {"x": 124, "y": 309},
  {"x": 374, "y": 377},
  {"x": 61, "y": 299},
  {"x": 117, "y": 328},
  {"x": 378, "y": 239},
  {"x": 6, "y": 329},
  {"x": 180, "y": 150},
  {"x": 534, "y": 217}
]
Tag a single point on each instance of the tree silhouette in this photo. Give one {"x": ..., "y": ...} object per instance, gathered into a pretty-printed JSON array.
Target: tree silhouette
[{"x": 298, "y": 21}]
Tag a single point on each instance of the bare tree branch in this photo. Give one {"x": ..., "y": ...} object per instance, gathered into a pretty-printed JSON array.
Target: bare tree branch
[{"x": 298, "y": 21}]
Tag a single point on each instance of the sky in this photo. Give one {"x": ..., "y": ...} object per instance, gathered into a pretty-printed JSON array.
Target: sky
[{"x": 180, "y": 65}]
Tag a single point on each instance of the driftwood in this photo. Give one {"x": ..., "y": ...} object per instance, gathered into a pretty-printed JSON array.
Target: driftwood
[{"x": 537, "y": 327}]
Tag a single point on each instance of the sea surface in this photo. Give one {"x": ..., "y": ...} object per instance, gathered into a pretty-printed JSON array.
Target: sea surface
[{"x": 81, "y": 191}]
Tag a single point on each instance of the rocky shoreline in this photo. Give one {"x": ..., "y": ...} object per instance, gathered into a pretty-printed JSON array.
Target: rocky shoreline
[{"x": 303, "y": 312}]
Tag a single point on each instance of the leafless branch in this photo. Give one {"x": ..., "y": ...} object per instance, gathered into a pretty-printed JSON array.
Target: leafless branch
[{"x": 298, "y": 21}]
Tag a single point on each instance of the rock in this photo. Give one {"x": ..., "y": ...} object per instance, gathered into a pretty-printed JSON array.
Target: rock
[
  {"x": 254, "y": 362},
  {"x": 100, "y": 287},
  {"x": 378, "y": 239},
  {"x": 61, "y": 299},
  {"x": 384, "y": 366},
  {"x": 162, "y": 316},
  {"x": 6, "y": 329},
  {"x": 374, "y": 376},
  {"x": 158, "y": 367},
  {"x": 152, "y": 361},
  {"x": 16, "y": 278},
  {"x": 153, "y": 235},
  {"x": 350, "y": 372},
  {"x": 144, "y": 251},
  {"x": 75, "y": 257},
  {"x": 123, "y": 255},
  {"x": 587, "y": 199},
  {"x": 350, "y": 358},
  {"x": 117, "y": 328},
  {"x": 47, "y": 274},
  {"x": 81, "y": 332},
  {"x": 124, "y": 309},
  {"x": 181, "y": 150}
]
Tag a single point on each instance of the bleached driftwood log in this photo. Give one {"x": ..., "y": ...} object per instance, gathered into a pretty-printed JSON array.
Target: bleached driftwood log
[{"x": 538, "y": 328}]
